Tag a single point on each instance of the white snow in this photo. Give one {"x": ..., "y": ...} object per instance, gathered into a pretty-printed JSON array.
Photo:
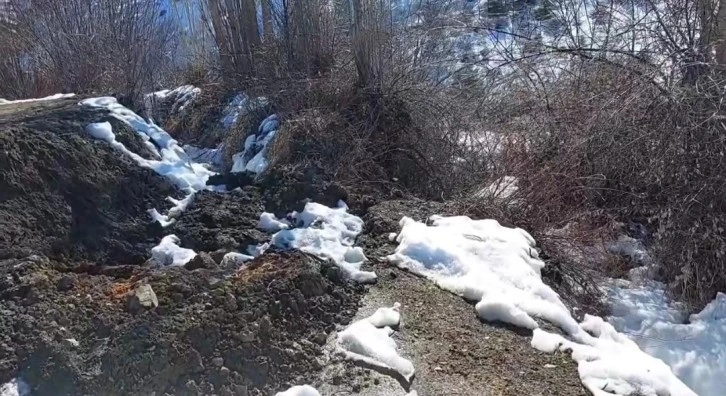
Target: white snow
[
  {"x": 385, "y": 316},
  {"x": 268, "y": 222},
  {"x": 502, "y": 188},
  {"x": 52, "y": 97},
  {"x": 254, "y": 156},
  {"x": 610, "y": 363},
  {"x": 16, "y": 387},
  {"x": 369, "y": 341},
  {"x": 300, "y": 390},
  {"x": 183, "y": 96},
  {"x": 482, "y": 261},
  {"x": 328, "y": 233},
  {"x": 168, "y": 252},
  {"x": 694, "y": 348},
  {"x": 234, "y": 259},
  {"x": 499, "y": 267},
  {"x": 212, "y": 156},
  {"x": 173, "y": 163}
]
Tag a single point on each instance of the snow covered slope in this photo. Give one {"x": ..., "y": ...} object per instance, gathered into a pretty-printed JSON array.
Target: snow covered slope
[{"x": 499, "y": 267}]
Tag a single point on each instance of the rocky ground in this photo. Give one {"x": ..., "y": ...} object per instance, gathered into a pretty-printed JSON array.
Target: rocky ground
[{"x": 83, "y": 313}]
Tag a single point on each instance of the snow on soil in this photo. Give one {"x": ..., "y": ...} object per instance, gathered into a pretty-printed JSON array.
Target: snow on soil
[
  {"x": 174, "y": 163},
  {"x": 268, "y": 222},
  {"x": 254, "y": 156},
  {"x": 694, "y": 349},
  {"x": 328, "y": 233},
  {"x": 16, "y": 387},
  {"x": 234, "y": 259},
  {"x": 499, "y": 268},
  {"x": 300, "y": 390},
  {"x": 169, "y": 253},
  {"x": 183, "y": 96},
  {"x": 503, "y": 188},
  {"x": 369, "y": 341},
  {"x": 52, "y": 97}
]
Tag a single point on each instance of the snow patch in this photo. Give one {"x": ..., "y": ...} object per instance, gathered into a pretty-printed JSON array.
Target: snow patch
[
  {"x": 383, "y": 317},
  {"x": 328, "y": 233},
  {"x": 609, "y": 363},
  {"x": 300, "y": 390},
  {"x": 183, "y": 96},
  {"x": 502, "y": 188},
  {"x": 254, "y": 156},
  {"x": 482, "y": 261},
  {"x": 369, "y": 341},
  {"x": 235, "y": 259},
  {"x": 499, "y": 267},
  {"x": 52, "y": 97},
  {"x": 173, "y": 164},
  {"x": 169, "y": 253},
  {"x": 16, "y": 387},
  {"x": 693, "y": 347},
  {"x": 268, "y": 222}
]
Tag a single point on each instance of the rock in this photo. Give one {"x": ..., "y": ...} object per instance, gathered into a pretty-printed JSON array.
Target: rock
[
  {"x": 201, "y": 260},
  {"x": 320, "y": 338},
  {"x": 218, "y": 362},
  {"x": 218, "y": 255},
  {"x": 143, "y": 298},
  {"x": 66, "y": 283}
]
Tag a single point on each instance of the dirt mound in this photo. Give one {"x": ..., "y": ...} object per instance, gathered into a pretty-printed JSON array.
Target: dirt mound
[
  {"x": 67, "y": 196},
  {"x": 222, "y": 221},
  {"x": 249, "y": 333}
]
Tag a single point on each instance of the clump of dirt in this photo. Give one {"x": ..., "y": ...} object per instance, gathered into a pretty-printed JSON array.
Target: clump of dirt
[
  {"x": 251, "y": 333},
  {"x": 288, "y": 188},
  {"x": 67, "y": 196},
  {"x": 222, "y": 221}
]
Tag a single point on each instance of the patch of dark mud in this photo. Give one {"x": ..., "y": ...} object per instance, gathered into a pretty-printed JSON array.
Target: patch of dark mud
[
  {"x": 289, "y": 188},
  {"x": 252, "y": 333},
  {"x": 225, "y": 221},
  {"x": 384, "y": 218},
  {"x": 67, "y": 196}
]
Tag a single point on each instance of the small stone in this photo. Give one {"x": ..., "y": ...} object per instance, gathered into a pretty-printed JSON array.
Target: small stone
[
  {"x": 218, "y": 255},
  {"x": 218, "y": 362},
  {"x": 247, "y": 336},
  {"x": 66, "y": 283},
  {"x": 201, "y": 260},
  {"x": 142, "y": 298},
  {"x": 320, "y": 338}
]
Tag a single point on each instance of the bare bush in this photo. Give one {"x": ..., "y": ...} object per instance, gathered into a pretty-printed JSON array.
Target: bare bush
[{"x": 86, "y": 45}]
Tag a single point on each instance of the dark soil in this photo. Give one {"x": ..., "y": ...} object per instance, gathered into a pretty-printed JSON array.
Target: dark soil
[
  {"x": 210, "y": 334},
  {"x": 74, "y": 237},
  {"x": 453, "y": 351},
  {"x": 67, "y": 196},
  {"x": 222, "y": 221}
]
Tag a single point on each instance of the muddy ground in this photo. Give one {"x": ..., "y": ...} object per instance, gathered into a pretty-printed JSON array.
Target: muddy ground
[
  {"x": 82, "y": 311},
  {"x": 78, "y": 316}
]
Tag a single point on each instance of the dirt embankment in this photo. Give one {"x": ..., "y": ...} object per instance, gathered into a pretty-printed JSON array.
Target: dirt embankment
[
  {"x": 68, "y": 197},
  {"x": 82, "y": 314}
]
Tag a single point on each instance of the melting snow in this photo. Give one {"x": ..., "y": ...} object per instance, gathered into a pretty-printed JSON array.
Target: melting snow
[
  {"x": 173, "y": 164},
  {"x": 168, "y": 252},
  {"x": 695, "y": 350},
  {"x": 254, "y": 156},
  {"x": 328, "y": 233},
  {"x": 300, "y": 390},
  {"x": 52, "y": 97},
  {"x": 183, "y": 96},
  {"x": 268, "y": 222},
  {"x": 16, "y": 387},
  {"x": 499, "y": 267},
  {"x": 369, "y": 341}
]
